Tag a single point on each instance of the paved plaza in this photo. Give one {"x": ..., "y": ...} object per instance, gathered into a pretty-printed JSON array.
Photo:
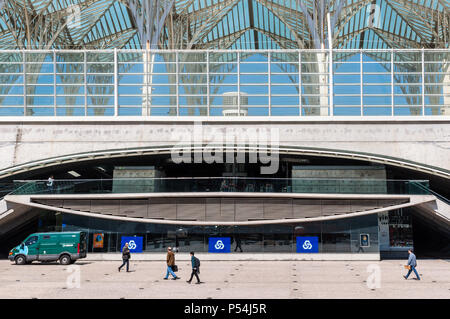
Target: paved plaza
[{"x": 227, "y": 279}]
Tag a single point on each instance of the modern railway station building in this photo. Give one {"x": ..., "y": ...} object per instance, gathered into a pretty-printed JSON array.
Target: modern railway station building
[{"x": 282, "y": 126}]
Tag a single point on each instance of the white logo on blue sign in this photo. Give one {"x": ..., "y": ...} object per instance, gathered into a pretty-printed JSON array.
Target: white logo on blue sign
[
  {"x": 132, "y": 244},
  {"x": 307, "y": 244},
  {"x": 219, "y": 245},
  {"x": 135, "y": 243}
]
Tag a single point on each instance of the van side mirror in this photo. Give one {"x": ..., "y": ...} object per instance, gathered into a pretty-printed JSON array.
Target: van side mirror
[{"x": 22, "y": 246}]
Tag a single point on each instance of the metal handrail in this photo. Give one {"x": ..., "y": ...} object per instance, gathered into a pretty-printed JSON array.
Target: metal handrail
[
  {"x": 222, "y": 177},
  {"x": 219, "y": 184},
  {"x": 439, "y": 196}
]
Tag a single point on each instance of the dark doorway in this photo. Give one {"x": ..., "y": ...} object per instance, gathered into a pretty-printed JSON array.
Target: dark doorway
[{"x": 431, "y": 238}]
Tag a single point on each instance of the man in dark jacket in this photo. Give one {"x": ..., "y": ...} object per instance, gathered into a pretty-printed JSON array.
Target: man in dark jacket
[
  {"x": 195, "y": 268},
  {"x": 238, "y": 242},
  {"x": 170, "y": 263},
  {"x": 412, "y": 263},
  {"x": 125, "y": 257}
]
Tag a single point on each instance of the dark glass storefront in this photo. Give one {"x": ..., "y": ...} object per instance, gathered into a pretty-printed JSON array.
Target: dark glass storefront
[{"x": 334, "y": 236}]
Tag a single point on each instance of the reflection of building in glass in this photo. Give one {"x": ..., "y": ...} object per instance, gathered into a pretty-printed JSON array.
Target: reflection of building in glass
[
  {"x": 400, "y": 229},
  {"x": 232, "y": 106},
  {"x": 333, "y": 236},
  {"x": 396, "y": 232}
]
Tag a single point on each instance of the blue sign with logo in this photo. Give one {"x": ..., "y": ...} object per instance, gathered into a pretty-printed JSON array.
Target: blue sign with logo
[
  {"x": 307, "y": 244},
  {"x": 219, "y": 245},
  {"x": 134, "y": 244}
]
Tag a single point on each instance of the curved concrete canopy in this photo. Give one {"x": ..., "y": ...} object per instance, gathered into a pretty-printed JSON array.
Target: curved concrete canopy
[
  {"x": 168, "y": 149},
  {"x": 27, "y": 201}
]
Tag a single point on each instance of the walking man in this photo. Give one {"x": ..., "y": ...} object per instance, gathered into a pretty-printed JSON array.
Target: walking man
[
  {"x": 50, "y": 182},
  {"x": 412, "y": 263},
  {"x": 170, "y": 263},
  {"x": 238, "y": 243},
  {"x": 125, "y": 257},
  {"x": 195, "y": 268}
]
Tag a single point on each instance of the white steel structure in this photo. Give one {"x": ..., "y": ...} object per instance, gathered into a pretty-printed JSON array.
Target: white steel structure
[{"x": 224, "y": 24}]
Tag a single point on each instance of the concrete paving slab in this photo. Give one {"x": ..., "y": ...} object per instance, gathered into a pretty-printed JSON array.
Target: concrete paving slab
[{"x": 226, "y": 279}]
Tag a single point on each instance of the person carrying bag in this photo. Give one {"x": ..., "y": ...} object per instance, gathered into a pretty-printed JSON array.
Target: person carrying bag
[
  {"x": 170, "y": 260},
  {"x": 125, "y": 257}
]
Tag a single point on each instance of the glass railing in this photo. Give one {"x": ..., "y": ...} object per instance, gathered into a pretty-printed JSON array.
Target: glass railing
[
  {"x": 222, "y": 184},
  {"x": 6, "y": 188},
  {"x": 431, "y": 192}
]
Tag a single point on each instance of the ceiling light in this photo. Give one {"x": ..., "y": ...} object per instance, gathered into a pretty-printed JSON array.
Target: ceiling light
[{"x": 74, "y": 174}]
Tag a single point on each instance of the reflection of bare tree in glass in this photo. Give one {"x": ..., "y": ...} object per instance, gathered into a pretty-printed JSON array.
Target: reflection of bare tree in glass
[
  {"x": 222, "y": 63},
  {"x": 404, "y": 79},
  {"x": 73, "y": 65},
  {"x": 11, "y": 73},
  {"x": 414, "y": 97},
  {"x": 33, "y": 66},
  {"x": 152, "y": 76},
  {"x": 288, "y": 63},
  {"x": 96, "y": 92},
  {"x": 192, "y": 78},
  {"x": 195, "y": 85},
  {"x": 437, "y": 74},
  {"x": 172, "y": 79}
]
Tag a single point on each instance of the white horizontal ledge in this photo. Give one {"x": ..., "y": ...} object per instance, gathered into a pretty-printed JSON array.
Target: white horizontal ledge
[
  {"x": 222, "y": 119},
  {"x": 266, "y": 256}
]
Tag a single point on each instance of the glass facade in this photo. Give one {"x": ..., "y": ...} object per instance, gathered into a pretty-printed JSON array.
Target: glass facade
[
  {"x": 203, "y": 83},
  {"x": 400, "y": 229},
  {"x": 223, "y": 184},
  {"x": 334, "y": 236}
]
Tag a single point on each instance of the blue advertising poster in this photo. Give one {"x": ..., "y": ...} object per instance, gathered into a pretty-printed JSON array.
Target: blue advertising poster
[
  {"x": 134, "y": 244},
  {"x": 307, "y": 244},
  {"x": 219, "y": 245}
]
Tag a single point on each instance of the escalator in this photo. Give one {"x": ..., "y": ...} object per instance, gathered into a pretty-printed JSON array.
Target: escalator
[
  {"x": 431, "y": 239},
  {"x": 16, "y": 235}
]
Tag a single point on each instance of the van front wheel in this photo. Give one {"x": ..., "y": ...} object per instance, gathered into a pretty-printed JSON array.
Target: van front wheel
[
  {"x": 65, "y": 260},
  {"x": 20, "y": 260}
]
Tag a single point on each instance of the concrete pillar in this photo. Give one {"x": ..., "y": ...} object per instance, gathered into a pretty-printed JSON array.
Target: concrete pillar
[
  {"x": 446, "y": 89},
  {"x": 148, "y": 59},
  {"x": 322, "y": 61}
]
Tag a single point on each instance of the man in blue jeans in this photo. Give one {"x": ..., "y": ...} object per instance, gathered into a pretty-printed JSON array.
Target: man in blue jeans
[
  {"x": 412, "y": 262},
  {"x": 170, "y": 263}
]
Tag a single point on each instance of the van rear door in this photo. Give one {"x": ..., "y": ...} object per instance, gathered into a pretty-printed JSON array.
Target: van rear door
[{"x": 83, "y": 245}]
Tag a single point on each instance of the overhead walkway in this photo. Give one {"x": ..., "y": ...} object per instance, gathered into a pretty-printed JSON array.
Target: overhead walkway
[{"x": 280, "y": 202}]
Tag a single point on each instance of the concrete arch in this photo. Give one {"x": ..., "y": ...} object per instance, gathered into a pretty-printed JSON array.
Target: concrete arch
[
  {"x": 168, "y": 149},
  {"x": 27, "y": 202}
]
